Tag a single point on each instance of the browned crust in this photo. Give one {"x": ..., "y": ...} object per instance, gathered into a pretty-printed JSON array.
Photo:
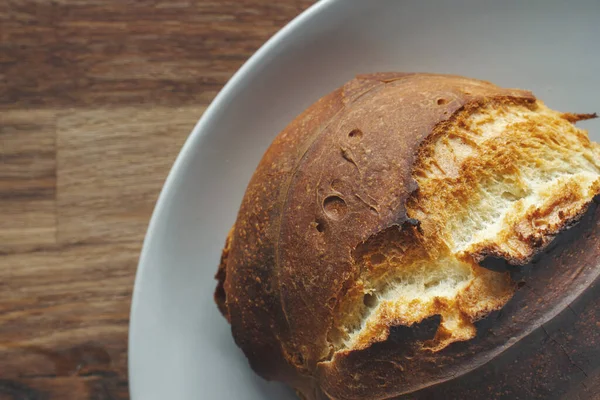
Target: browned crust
[
  {"x": 220, "y": 295},
  {"x": 291, "y": 255},
  {"x": 543, "y": 344},
  {"x": 571, "y": 117},
  {"x": 253, "y": 302}
]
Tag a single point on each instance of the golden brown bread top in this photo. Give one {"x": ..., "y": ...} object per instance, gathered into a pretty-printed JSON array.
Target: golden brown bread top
[{"x": 373, "y": 209}]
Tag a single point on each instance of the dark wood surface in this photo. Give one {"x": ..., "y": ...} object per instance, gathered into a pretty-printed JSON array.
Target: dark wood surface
[{"x": 96, "y": 98}]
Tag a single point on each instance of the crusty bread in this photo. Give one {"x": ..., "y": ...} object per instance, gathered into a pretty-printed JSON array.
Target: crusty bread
[{"x": 353, "y": 270}]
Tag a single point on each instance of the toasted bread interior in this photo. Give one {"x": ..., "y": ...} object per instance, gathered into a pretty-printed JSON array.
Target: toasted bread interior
[{"x": 498, "y": 179}]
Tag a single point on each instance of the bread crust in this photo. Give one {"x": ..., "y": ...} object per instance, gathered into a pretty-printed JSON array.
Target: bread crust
[{"x": 340, "y": 174}]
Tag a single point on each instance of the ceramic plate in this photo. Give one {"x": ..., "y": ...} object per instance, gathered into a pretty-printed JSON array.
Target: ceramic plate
[{"x": 179, "y": 346}]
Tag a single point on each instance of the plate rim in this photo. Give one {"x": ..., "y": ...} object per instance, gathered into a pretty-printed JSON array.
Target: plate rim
[{"x": 227, "y": 93}]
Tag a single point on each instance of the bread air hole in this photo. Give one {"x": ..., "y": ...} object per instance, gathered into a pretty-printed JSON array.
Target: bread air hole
[
  {"x": 441, "y": 101},
  {"x": 355, "y": 134},
  {"x": 319, "y": 226},
  {"x": 370, "y": 300},
  {"x": 335, "y": 207}
]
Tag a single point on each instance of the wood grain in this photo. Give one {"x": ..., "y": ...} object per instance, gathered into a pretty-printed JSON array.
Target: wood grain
[
  {"x": 96, "y": 99},
  {"x": 93, "y": 52},
  {"x": 27, "y": 179},
  {"x": 111, "y": 171}
]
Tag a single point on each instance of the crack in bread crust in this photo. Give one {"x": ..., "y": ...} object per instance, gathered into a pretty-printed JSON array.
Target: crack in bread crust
[{"x": 499, "y": 179}]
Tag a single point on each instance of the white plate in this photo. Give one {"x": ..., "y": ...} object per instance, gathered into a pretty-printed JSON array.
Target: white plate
[{"x": 179, "y": 346}]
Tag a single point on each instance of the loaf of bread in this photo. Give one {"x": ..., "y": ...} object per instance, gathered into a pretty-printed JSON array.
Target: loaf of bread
[{"x": 394, "y": 241}]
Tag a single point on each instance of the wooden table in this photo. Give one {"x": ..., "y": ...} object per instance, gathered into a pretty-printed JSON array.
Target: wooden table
[{"x": 96, "y": 99}]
